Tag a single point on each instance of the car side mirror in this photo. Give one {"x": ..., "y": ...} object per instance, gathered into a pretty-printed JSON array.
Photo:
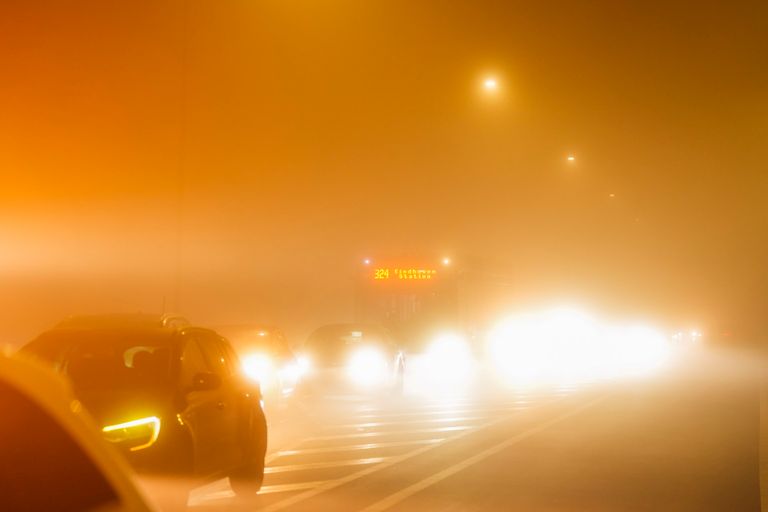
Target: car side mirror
[{"x": 205, "y": 381}]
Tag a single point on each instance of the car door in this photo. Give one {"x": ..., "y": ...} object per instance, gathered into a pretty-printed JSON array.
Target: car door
[
  {"x": 225, "y": 364},
  {"x": 206, "y": 410}
]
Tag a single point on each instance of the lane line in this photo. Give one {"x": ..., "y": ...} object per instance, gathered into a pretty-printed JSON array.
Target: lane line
[
  {"x": 323, "y": 465},
  {"x": 228, "y": 493},
  {"x": 442, "y": 412},
  {"x": 287, "y": 502},
  {"x": 271, "y": 489},
  {"x": 456, "y": 404},
  {"x": 363, "y": 435},
  {"x": 409, "y": 491},
  {"x": 410, "y": 422},
  {"x": 352, "y": 447}
]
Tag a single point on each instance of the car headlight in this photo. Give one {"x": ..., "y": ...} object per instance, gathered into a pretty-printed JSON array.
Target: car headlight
[
  {"x": 450, "y": 357},
  {"x": 304, "y": 364},
  {"x": 258, "y": 367},
  {"x": 367, "y": 366},
  {"x": 141, "y": 433},
  {"x": 290, "y": 372}
]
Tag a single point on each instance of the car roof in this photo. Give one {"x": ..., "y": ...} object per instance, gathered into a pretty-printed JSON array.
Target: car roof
[
  {"x": 350, "y": 327},
  {"x": 239, "y": 330},
  {"x": 125, "y": 320},
  {"x": 51, "y": 393}
]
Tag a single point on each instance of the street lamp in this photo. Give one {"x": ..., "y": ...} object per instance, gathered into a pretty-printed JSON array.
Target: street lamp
[{"x": 490, "y": 84}]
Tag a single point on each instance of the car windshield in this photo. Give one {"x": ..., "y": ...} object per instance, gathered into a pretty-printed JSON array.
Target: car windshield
[
  {"x": 267, "y": 341},
  {"x": 333, "y": 343},
  {"x": 110, "y": 359},
  {"x": 263, "y": 340}
]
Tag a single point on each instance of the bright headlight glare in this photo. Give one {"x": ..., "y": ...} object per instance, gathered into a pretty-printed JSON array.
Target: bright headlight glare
[
  {"x": 303, "y": 363},
  {"x": 565, "y": 345},
  {"x": 367, "y": 366},
  {"x": 143, "y": 431},
  {"x": 290, "y": 372},
  {"x": 257, "y": 367},
  {"x": 450, "y": 356}
]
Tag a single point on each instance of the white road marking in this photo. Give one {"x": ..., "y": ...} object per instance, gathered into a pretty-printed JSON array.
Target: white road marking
[
  {"x": 271, "y": 489},
  {"x": 228, "y": 493},
  {"x": 401, "y": 495},
  {"x": 372, "y": 469},
  {"x": 373, "y": 424},
  {"x": 196, "y": 501},
  {"x": 449, "y": 404},
  {"x": 367, "y": 446},
  {"x": 442, "y": 412},
  {"x": 323, "y": 465},
  {"x": 363, "y": 435},
  {"x": 209, "y": 492},
  {"x": 221, "y": 490}
]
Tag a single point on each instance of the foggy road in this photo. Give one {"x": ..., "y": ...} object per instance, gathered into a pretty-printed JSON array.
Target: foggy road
[
  {"x": 542, "y": 226},
  {"x": 686, "y": 439}
]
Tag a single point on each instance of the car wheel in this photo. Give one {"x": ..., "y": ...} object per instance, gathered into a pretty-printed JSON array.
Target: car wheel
[{"x": 246, "y": 480}]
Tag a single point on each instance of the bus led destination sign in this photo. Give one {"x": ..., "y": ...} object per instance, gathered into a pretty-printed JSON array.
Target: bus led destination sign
[{"x": 404, "y": 274}]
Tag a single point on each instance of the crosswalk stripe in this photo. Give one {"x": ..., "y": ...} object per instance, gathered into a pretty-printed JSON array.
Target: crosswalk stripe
[
  {"x": 323, "y": 465},
  {"x": 363, "y": 435},
  {"x": 372, "y": 424},
  {"x": 271, "y": 489},
  {"x": 510, "y": 408},
  {"x": 367, "y": 446}
]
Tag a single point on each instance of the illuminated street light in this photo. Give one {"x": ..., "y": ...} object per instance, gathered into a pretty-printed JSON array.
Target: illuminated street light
[
  {"x": 446, "y": 261},
  {"x": 571, "y": 158},
  {"x": 490, "y": 84},
  {"x": 367, "y": 261}
]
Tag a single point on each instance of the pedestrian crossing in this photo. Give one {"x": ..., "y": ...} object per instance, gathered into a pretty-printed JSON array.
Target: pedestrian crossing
[{"x": 355, "y": 437}]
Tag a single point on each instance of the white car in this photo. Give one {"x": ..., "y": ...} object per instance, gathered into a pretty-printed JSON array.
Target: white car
[{"x": 51, "y": 456}]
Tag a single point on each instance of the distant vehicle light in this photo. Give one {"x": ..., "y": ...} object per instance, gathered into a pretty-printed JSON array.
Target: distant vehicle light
[
  {"x": 303, "y": 364},
  {"x": 449, "y": 357},
  {"x": 566, "y": 346},
  {"x": 258, "y": 367},
  {"x": 290, "y": 373},
  {"x": 143, "y": 430},
  {"x": 367, "y": 367}
]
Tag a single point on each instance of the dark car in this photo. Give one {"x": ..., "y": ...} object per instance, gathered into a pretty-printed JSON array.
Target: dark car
[
  {"x": 171, "y": 396},
  {"x": 353, "y": 357}
]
